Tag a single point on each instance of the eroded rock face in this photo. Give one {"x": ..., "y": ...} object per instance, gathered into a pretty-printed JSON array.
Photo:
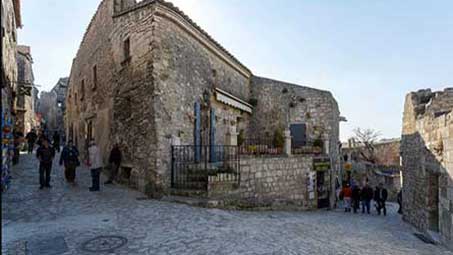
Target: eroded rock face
[{"x": 427, "y": 154}]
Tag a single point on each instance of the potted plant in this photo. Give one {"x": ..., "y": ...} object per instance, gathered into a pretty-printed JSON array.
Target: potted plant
[{"x": 317, "y": 145}]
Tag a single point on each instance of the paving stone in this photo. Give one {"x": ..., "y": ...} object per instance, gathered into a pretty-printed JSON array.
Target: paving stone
[{"x": 158, "y": 227}]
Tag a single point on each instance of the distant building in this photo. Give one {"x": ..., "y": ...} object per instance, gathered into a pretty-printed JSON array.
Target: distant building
[{"x": 52, "y": 107}]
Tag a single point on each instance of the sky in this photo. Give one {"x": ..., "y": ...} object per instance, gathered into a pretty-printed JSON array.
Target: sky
[{"x": 369, "y": 54}]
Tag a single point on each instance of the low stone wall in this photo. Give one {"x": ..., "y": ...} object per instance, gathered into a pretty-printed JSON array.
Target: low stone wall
[{"x": 266, "y": 182}]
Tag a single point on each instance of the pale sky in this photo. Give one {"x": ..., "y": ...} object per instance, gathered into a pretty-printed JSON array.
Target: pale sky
[{"x": 369, "y": 54}]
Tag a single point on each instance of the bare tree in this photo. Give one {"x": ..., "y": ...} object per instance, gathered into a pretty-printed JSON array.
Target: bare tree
[{"x": 367, "y": 139}]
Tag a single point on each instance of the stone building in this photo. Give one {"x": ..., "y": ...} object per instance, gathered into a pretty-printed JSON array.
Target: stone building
[
  {"x": 10, "y": 21},
  {"x": 25, "y": 101},
  {"x": 147, "y": 77},
  {"x": 52, "y": 107},
  {"x": 427, "y": 156}
]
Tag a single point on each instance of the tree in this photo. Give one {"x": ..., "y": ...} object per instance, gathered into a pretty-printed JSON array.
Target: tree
[{"x": 366, "y": 139}]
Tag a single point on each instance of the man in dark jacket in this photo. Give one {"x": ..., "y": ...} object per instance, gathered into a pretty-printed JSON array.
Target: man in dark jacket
[
  {"x": 45, "y": 154},
  {"x": 115, "y": 162},
  {"x": 70, "y": 158},
  {"x": 380, "y": 196},
  {"x": 355, "y": 198},
  {"x": 56, "y": 141},
  {"x": 31, "y": 140},
  {"x": 366, "y": 196}
]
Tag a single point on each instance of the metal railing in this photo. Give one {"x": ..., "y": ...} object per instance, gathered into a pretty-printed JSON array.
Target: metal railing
[
  {"x": 259, "y": 146},
  {"x": 193, "y": 164},
  {"x": 311, "y": 147}
]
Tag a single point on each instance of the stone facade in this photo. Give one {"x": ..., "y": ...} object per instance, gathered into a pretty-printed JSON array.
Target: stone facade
[
  {"x": 52, "y": 107},
  {"x": 139, "y": 71},
  {"x": 10, "y": 21},
  {"x": 25, "y": 101},
  {"x": 427, "y": 156}
]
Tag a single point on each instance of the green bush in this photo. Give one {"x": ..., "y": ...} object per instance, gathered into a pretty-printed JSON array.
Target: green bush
[{"x": 279, "y": 138}]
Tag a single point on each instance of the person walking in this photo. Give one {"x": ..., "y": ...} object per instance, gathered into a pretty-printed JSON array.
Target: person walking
[
  {"x": 95, "y": 164},
  {"x": 355, "y": 198},
  {"x": 115, "y": 162},
  {"x": 56, "y": 141},
  {"x": 45, "y": 154},
  {"x": 366, "y": 197},
  {"x": 31, "y": 140},
  {"x": 347, "y": 195},
  {"x": 380, "y": 196},
  {"x": 400, "y": 201},
  {"x": 70, "y": 158}
]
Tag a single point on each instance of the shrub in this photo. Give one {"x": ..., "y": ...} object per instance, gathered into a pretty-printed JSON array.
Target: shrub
[{"x": 279, "y": 138}]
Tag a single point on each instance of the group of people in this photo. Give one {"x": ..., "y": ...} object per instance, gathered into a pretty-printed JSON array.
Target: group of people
[
  {"x": 69, "y": 157},
  {"x": 355, "y": 196}
]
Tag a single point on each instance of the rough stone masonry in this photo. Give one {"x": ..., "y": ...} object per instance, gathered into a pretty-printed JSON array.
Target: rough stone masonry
[
  {"x": 138, "y": 72},
  {"x": 427, "y": 153}
]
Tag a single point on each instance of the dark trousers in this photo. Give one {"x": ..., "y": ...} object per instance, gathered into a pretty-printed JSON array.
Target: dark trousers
[
  {"x": 57, "y": 147},
  {"x": 70, "y": 172},
  {"x": 113, "y": 171},
  {"x": 366, "y": 205},
  {"x": 44, "y": 174},
  {"x": 30, "y": 147},
  {"x": 95, "y": 177},
  {"x": 381, "y": 206},
  {"x": 355, "y": 205}
]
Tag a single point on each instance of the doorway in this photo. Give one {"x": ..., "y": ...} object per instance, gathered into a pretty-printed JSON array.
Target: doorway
[
  {"x": 298, "y": 135},
  {"x": 433, "y": 202}
]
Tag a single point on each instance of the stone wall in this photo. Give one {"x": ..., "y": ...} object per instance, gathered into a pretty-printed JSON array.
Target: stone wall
[
  {"x": 266, "y": 182},
  {"x": 279, "y": 104},
  {"x": 88, "y": 103},
  {"x": 427, "y": 153},
  {"x": 185, "y": 72},
  {"x": 25, "y": 118}
]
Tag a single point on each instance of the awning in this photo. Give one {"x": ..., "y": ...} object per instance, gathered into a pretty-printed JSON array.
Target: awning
[{"x": 228, "y": 99}]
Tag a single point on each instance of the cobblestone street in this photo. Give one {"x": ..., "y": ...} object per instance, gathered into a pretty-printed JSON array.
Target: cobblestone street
[{"x": 66, "y": 219}]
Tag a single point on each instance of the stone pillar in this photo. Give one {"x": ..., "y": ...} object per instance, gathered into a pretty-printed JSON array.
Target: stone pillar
[
  {"x": 287, "y": 146},
  {"x": 175, "y": 140},
  {"x": 327, "y": 147},
  {"x": 232, "y": 136}
]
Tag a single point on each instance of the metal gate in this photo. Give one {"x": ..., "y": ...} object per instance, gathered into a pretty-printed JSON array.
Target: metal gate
[{"x": 192, "y": 164}]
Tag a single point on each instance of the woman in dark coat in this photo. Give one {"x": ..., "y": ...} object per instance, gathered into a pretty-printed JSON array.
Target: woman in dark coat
[{"x": 70, "y": 158}]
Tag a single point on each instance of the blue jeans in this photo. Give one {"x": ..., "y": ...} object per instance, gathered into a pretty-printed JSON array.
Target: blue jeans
[{"x": 366, "y": 203}]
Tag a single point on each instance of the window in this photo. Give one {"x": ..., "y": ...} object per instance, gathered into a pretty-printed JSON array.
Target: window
[
  {"x": 82, "y": 93},
  {"x": 95, "y": 77},
  {"x": 126, "y": 49}
]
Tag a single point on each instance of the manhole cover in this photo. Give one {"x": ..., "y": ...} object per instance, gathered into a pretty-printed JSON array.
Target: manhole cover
[{"x": 104, "y": 243}]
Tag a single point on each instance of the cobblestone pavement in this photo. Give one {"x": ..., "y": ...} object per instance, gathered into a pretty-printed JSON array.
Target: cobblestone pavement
[{"x": 65, "y": 219}]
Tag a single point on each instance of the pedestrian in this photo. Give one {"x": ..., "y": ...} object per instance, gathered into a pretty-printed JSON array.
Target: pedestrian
[
  {"x": 347, "y": 194},
  {"x": 95, "y": 164},
  {"x": 400, "y": 201},
  {"x": 70, "y": 158},
  {"x": 355, "y": 198},
  {"x": 31, "y": 140},
  {"x": 115, "y": 162},
  {"x": 45, "y": 154},
  {"x": 366, "y": 197},
  {"x": 380, "y": 196},
  {"x": 56, "y": 141}
]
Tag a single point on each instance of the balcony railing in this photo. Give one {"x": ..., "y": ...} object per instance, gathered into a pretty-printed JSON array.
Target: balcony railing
[{"x": 259, "y": 146}]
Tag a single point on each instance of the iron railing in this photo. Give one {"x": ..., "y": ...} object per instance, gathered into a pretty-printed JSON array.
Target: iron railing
[
  {"x": 311, "y": 147},
  {"x": 193, "y": 164},
  {"x": 259, "y": 146}
]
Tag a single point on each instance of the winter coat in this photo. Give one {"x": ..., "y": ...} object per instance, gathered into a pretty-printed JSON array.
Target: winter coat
[
  {"x": 356, "y": 193},
  {"x": 367, "y": 194},
  {"x": 45, "y": 155},
  {"x": 380, "y": 197},
  {"x": 347, "y": 192},
  {"x": 115, "y": 156},
  {"x": 95, "y": 158},
  {"x": 69, "y": 155}
]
